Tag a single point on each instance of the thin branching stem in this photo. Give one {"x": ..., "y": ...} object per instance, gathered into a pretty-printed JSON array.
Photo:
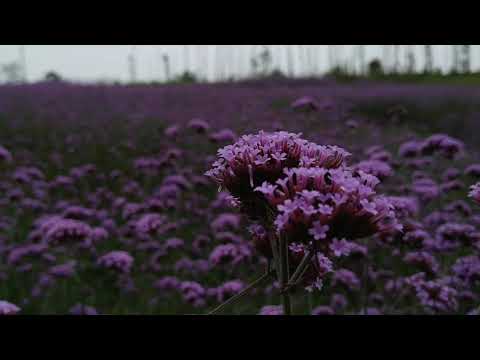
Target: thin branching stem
[
  {"x": 287, "y": 306},
  {"x": 242, "y": 293}
]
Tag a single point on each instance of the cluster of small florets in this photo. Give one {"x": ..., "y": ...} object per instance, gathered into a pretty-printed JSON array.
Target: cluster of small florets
[
  {"x": 437, "y": 143},
  {"x": 59, "y": 230},
  {"x": 5, "y": 155},
  {"x": 318, "y": 204},
  {"x": 263, "y": 157},
  {"x": 305, "y": 193},
  {"x": 475, "y": 192},
  {"x": 380, "y": 169},
  {"x": 120, "y": 261},
  {"x": 435, "y": 296},
  {"x": 7, "y": 308}
]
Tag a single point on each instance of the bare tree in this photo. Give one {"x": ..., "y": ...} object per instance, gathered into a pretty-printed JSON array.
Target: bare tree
[
  {"x": 428, "y": 59},
  {"x": 12, "y": 72},
  {"x": 290, "y": 60},
  {"x": 396, "y": 57},
  {"x": 410, "y": 59},
  {"x": 132, "y": 65},
  {"x": 361, "y": 59},
  {"x": 456, "y": 58},
  {"x": 23, "y": 62},
  {"x": 166, "y": 66},
  {"x": 465, "y": 63}
]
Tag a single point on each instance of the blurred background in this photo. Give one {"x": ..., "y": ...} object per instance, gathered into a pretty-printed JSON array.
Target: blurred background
[{"x": 219, "y": 63}]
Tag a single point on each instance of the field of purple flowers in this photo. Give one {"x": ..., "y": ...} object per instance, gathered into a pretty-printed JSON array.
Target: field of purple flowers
[{"x": 110, "y": 200}]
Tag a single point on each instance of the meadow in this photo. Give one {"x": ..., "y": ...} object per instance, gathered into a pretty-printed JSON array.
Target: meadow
[{"x": 105, "y": 207}]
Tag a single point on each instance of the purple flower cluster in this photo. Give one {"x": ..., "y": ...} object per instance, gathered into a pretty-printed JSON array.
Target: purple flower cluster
[
  {"x": 7, "y": 308},
  {"x": 120, "y": 261}
]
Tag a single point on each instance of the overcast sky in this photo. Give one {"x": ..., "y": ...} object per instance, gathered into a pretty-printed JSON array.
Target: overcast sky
[{"x": 110, "y": 62}]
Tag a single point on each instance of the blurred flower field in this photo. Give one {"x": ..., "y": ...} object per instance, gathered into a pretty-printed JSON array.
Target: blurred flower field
[{"x": 105, "y": 207}]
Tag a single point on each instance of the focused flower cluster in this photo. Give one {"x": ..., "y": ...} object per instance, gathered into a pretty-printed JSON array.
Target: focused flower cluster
[
  {"x": 475, "y": 192},
  {"x": 306, "y": 193}
]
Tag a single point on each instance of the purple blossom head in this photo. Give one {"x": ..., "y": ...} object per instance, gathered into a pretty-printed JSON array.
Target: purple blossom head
[
  {"x": 450, "y": 174},
  {"x": 338, "y": 302},
  {"x": 271, "y": 310},
  {"x": 198, "y": 125},
  {"x": 322, "y": 204},
  {"x": 120, "y": 261},
  {"x": 261, "y": 158},
  {"x": 5, "y": 156},
  {"x": 224, "y": 135},
  {"x": 229, "y": 254},
  {"x": 473, "y": 170},
  {"x": 378, "y": 168},
  {"x": 193, "y": 293},
  {"x": 425, "y": 189},
  {"x": 475, "y": 192},
  {"x": 7, "y": 308},
  {"x": 66, "y": 270},
  {"x": 62, "y": 230},
  {"x": 346, "y": 278},
  {"x": 404, "y": 206},
  {"x": 323, "y": 310},
  {"x": 167, "y": 283},
  {"x": 437, "y": 297},
  {"x": 409, "y": 149},
  {"x": 305, "y": 103},
  {"x": 149, "y": 224},
  {"x": 226, "y": 221},
  {"x": 467, "y": 268},
  {"x": 99, "y": 234},
  {"x": 423, "y": 260},
  {"x": 172, "y": 131},
  {"x": 260, "y": 240},
  {"x": 444, "y": 144},
  {"x": 228, "y": 289},
  {"x": 17, "y": 254}
]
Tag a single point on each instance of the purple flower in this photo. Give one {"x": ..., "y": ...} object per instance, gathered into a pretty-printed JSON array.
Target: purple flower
[
  {"x": 323, "y": 310},
  {"x": 473, "y": 170},
  {"x": 271, "y": 310},
  {"x": 437, "y": 297},
  {"x": 341, "y": 247},
  {"x": 377, "y": 168},
  {"x": 225, "y": 135},
  {"x": 61, "y": 230},
  {"x": 167, "y": 283},
  {"x": 228, "y": 289},
  {"x": 346, "y": 278},
  {"x": 409, "y": 149},
  {"x": 318, "y": 231},
  {"x": 149, "y": 224},
  {"x": 229, "y": 254},
  {"x": 120, "y": 261},
  {"x": 5, "y": 155},
  {"x": 66, "y": 270},
  {"x": 422, "y": 259},
  {"x": 7, "y": 308},
  {"x": 475, "y": 192},
  {"x": 199, "y": 125},
  {"x": 226, "y": 221},
  {"x": 338, "y": 302},
  {"x": 193, "y": 293},
  {"x": 305, "y": 103},
  {"x": 243, "y": 167}
]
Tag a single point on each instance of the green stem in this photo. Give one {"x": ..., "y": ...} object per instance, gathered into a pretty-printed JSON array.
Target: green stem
[
  {"x": 287, "y": 306},
  {"x": 299, "y": 271}
]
